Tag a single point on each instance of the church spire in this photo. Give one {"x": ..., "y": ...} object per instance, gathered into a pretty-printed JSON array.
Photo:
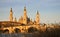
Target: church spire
[
  {"x": 37, "y": 13},
  {"x": 25, "y": 8},
  {"x": 11, "y": 15},
  {"x": 25, "y": 16},
  {"x": 37, "y": 18},
  {"x": 11, "y": 10}
]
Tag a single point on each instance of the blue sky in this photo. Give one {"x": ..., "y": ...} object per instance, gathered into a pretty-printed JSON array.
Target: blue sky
[{"x": 49, "y": 9}]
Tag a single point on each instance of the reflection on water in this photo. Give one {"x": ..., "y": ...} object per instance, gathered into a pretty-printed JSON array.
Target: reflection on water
[
  {"x": 40, "y": 34},
  {"x": 48, "y": 33},
  {"x": 16, "y": 35},
  {"x": 12, "y": 35}
]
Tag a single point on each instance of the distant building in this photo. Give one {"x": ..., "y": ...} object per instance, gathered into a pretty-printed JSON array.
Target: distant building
[{"x": 24, "y": 19}]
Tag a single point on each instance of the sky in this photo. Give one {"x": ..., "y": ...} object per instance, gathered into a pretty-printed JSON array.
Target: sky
[{"x": 49, "y": 9}]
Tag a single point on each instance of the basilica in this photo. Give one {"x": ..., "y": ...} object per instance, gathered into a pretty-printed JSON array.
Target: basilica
[{"x": 24, "y": 19}]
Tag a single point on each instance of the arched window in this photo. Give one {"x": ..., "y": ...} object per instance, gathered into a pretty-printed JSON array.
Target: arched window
[
  {"x": 17, "y": 30},
  {"x": 6, "y": 31}
]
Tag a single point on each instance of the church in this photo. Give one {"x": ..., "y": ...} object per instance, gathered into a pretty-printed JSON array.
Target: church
[{"x": 24, "y": 19}]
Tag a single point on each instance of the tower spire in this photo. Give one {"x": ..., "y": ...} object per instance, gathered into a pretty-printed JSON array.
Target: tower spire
[
  {"x": 11, "y": 10},
  {"x": 11, "y": 15},
  {"x": 37, "y": 13},
  {"x": 37, "y": 18},
  {"x": 25, "y": 8},
  {"x": 25, "y": 16}
]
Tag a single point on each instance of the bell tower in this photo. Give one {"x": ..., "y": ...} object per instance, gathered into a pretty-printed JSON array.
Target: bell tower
[
  {"x": 11, "y": 15},
  {"x": 25, "y": 16},
  {"x": 37, "y": 18}
]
